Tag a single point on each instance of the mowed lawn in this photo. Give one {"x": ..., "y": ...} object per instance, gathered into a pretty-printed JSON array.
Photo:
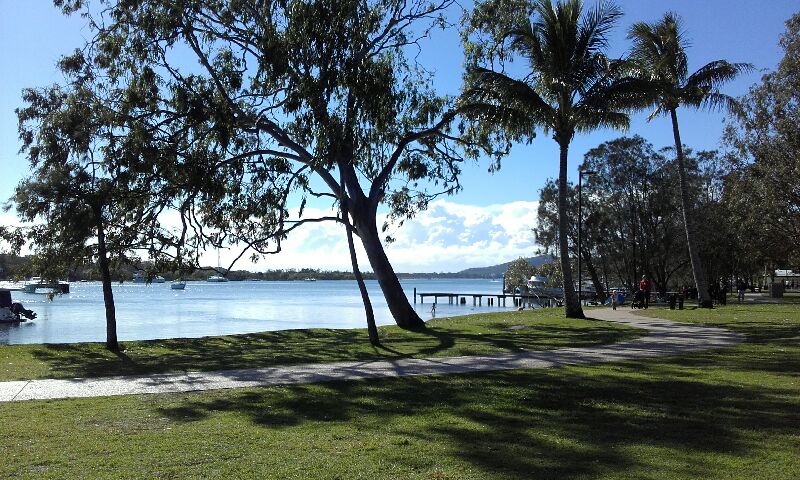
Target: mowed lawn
[
  {"x": 733, "y": 413},
  {"x": 499, "y": 332}
]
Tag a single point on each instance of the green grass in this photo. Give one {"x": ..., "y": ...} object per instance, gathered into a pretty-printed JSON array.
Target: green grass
[
  {"x": 726, "y": 414},
  {"x": 471, "y": 335}
]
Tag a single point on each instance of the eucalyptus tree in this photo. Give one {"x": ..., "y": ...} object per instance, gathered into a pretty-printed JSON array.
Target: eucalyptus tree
[
  {"x": 640, "y": 228},
  {"x": 83, "y": 206},
  {"x": 659, "y": 53},
  {"x": 572, "y": 86},
  {"x": 763, "y": 191},
  {"x": 273, "y": 103}
]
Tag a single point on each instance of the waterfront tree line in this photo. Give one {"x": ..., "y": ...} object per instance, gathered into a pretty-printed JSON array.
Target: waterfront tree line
[
  {"x": 196, "y": 125},
  {"x": 744, "y": 195}
]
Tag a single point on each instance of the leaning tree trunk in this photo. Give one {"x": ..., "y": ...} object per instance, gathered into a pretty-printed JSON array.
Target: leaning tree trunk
[
  {"x": 572, "y": 305},
  {"x": 108, "y": 295},
  {"x": 404, "y": 314},
  {"x": 372, "y": 329},
  {"x": 600, "y": 290},
  {"x": 688, "y": 220}
]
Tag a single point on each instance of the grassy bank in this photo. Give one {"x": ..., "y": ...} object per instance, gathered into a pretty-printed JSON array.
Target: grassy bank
[
  {"x": 732, "y": 414},
  {"x": 471, "y": 335}
]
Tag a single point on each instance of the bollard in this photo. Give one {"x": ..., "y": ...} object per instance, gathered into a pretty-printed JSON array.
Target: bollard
[
  {"x": 680, "y": 302},
  {"x": 672, "y": 300}
]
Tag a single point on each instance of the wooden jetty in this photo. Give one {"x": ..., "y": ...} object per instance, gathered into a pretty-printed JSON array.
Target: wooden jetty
[
  {"x": 492, "y": 299},
  {"x": 33, "y": 287}
]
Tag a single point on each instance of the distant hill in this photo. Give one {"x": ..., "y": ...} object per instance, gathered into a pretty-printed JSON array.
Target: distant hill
[{"x": 497, "y": 271}]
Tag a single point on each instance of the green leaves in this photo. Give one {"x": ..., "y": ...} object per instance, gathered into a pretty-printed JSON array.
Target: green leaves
[
  {"x": 571, "y": 86},
  {"x": 659, "y": 57}
]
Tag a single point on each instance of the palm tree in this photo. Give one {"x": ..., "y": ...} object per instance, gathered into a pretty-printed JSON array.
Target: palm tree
[
  {"x": 659, "y": 56},
  {"x": 572, "y": 87}
]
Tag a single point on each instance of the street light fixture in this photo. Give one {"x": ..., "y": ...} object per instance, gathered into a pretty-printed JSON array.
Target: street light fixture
[{"x": 581, "y": 173}]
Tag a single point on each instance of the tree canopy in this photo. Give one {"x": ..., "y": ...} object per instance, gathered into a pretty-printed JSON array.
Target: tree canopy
[
  {"x": 764, "y": 189},
  {"x": 259, "y": 106}
]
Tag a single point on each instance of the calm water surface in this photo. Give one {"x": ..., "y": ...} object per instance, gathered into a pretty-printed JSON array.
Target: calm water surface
[{"x": 155, "y": 311}]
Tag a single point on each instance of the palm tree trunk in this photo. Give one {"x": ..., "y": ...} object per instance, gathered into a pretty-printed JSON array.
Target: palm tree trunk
[
  {"x": 572, "y": 305},
  {"x": 108, "y": 295},
  {"x": 688, "y": 220}
]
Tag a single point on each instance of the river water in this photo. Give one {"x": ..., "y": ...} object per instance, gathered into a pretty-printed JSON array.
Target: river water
[{"x": 155, "y": 311}]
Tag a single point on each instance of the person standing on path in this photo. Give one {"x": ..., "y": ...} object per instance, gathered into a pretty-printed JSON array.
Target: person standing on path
[
  {"x": 741, "y": 286},
  {"x": 645, "y": 286}
]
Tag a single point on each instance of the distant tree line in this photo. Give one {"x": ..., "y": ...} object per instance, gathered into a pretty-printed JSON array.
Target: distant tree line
[{"x": 15, "y": 267}]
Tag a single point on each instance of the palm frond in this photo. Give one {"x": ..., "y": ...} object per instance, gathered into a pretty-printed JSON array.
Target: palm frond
[
  {"x": 720, "y": 101},
  {"x": 659, "y": 110},
  {"x": 716, "y": 73},
  {"x": 488, "y": 85},
  {"x": 621, "y": 93},
  {"x": 515, "y": 122},
  {"x": 511, "y": 99},
  {"x": 659, "y": 49},
  {"x": 603, "y": 118},
  {"x": 596, "y": 24}
]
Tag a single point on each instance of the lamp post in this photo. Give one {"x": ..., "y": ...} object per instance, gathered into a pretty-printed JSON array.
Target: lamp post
[{"x": 581, "y": 173}]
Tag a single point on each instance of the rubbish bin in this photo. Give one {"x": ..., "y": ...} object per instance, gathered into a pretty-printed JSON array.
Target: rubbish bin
[{"x": 776, "y": 290}]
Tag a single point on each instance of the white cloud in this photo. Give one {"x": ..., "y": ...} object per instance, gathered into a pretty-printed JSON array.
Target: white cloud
[{"x": 447, "y": 237}]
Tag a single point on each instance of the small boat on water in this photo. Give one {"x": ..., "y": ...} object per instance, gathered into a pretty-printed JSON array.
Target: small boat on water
[
  {"x": 178, "y": 285},
  {"x": 216, "y": 279},
  {"x": 139, "y": 278},
  {"x": 310, "y": 279}
]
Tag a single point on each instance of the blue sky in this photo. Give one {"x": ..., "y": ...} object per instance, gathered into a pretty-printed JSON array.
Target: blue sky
[{"x": 489, "y": 221}]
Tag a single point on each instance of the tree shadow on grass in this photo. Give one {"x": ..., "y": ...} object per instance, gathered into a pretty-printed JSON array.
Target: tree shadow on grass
[
  {"x": 204, "y": 354},
  {"x": 292, "y": 347},
  {"x": 564, "y": 423}
]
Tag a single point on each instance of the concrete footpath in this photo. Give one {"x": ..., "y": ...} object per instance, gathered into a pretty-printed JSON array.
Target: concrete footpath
[{"x": 663, "y": 338}]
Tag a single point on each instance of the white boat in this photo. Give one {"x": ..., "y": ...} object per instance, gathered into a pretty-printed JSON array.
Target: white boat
[
  {"x": 139, "y": 278},
  {"x": 217, "y": 279},
  {"x": 178, "y": 285},
  {"x": 537, "y": 286}
]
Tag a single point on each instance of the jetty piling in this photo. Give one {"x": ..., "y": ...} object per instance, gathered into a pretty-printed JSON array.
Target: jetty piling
[{"x": 492, "y": 299}]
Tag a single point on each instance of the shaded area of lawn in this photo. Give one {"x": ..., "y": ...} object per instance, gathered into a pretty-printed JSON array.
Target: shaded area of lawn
[
  {"x": 469, "y": 335},
  {"x": 732, "y": 413}
]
